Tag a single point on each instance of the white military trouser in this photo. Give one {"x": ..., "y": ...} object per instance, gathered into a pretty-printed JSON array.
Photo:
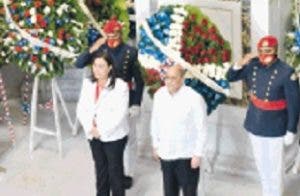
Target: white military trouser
[
  {"x": 130, "y": 154},
  {"x": 268, "y": 154}
]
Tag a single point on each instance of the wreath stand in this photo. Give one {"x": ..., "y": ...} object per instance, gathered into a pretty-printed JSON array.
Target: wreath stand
[
  {"x": 6, "y": 117},
  {"x": 56, "y": 96}
]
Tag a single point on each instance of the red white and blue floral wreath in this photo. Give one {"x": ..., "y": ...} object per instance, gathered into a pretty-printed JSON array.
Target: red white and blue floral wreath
[{"x": 184, "y": 35}]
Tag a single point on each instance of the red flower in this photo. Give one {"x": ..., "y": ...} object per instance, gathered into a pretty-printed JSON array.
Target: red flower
[
  {"x": 2, "y": 11},
  {"x": 50, "y": 2},
  {"x": 16, "y": 18},
  {"x": 43, "y": 24},
  {"x": 27, "y": 13},
  {"x": 226, "y": 55},
  {"x": 202, "y": 53},
  {"x": 37, "y": 4},
  {"x": 34, "y": 58},
  {"x": 204, "y": 22},
  {"x": 212, "y": 30},
  {"x": 18, "y": 48},
  {"x": 206, "y": 60},
  {"x": 39, "y": 18},
  {"x": 214, "y": 37},
  {"x": 204, "y": 35},
  {"x": 211, "y": 51},
  {"x": 152, "y": 76},
  {"x": 192, "y": 17},
  {"x": 14, "y": 6},
  {"x": 47, "y": 40},
  {"x": 60, "y": 34},
  {"x": 186, "y": 24},
  {"x": 45, "y": 50}
]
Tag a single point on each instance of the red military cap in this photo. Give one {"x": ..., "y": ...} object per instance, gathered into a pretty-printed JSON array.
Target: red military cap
[
  {"x": 112, "y": 25},
  {"x": 267, "y": 41}
]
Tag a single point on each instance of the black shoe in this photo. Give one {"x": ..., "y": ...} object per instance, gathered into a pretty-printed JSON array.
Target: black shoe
[{"x": 127, "y": 180}]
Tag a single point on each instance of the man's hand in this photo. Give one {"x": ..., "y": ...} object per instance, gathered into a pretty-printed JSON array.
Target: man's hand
[
  {"x": 134, "y": 111},
  {"x": 95, "y": 133},
  {"x": 97, "y": 44},
  {"x": 195, "y": 162},
  {"x": 246, "y": 59},
  {"x": 155, "y": 155},
  {"x": 289, "y": 138}
]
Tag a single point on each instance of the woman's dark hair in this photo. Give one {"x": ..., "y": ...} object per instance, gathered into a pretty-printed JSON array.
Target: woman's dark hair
[{"x": 112, "y": 73}]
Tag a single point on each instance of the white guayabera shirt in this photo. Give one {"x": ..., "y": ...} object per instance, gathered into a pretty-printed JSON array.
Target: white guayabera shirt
[{"x": 178, "y": 124}]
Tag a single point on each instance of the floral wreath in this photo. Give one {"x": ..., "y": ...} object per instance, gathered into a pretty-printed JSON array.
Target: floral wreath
[
  {"x": 42, "y": 36},
  {"x": 184, "y": 35},
  {"x": 292, "y": 40}
]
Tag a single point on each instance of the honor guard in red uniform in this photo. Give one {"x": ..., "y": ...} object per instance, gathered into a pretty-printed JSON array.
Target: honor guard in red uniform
[{"x": 273, "y": 110}]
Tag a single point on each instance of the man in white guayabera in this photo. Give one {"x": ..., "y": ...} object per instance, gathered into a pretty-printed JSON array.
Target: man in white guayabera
[{"x": 178, "y": 133}]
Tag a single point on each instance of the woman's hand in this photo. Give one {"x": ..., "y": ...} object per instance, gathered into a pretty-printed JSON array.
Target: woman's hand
[{"x": 95, "y": 133}]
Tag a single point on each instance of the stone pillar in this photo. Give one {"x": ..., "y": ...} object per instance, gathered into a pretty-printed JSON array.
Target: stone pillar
[{"x": 269, "y": 17}]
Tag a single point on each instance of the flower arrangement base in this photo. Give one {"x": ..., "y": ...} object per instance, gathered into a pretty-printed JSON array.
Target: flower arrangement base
[
  {"x": 6, "y": 116},
  {"x": 56, "y": 96}
]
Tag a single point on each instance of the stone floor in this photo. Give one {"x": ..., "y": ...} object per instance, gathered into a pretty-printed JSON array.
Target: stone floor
[{"x": 45, "y": 173}]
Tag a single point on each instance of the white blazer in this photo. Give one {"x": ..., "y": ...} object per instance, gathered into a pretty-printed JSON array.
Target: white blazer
[{"x": 110, "y": 111}]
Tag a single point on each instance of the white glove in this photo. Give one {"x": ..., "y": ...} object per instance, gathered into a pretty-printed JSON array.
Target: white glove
[
  {"x": 289, "y": 138},
  {"x": 134, "y": 111}
]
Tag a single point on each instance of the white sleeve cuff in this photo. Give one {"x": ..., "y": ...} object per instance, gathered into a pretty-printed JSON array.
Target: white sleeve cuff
[{"x": 236, "y": 67}]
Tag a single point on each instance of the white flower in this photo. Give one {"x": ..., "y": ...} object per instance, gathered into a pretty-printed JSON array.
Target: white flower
[
  {"x": 78, "y": 41},
  {"x": 148, "y": 61},
  {"x": 3, "y": 53},
  {"x": 175, "y": 33},
  {"x": 23, "y": 4},
  {"x": 176, "y": 26},
  {"x": 219, "y": 73},
  {"x": 177, "y": 18},
  {"x": 62, "y": 8},
  {"x": 33, "y": 19},
  {"x": 44, "y": 58},
  {"x": 18, "y": 37},
  {"x": 47, "y": 10},
  {"x": 11, "y": 26},
  {"x": 71, "y": 49},
  {"x": 60, "y": 42},
  {"x": 7, "y": 41},
  {"x": 181, "y": 11},
  {"x": 43, "y": 71},
  {"x": 226, "y": 65},
  {"x": 32, "y": 11},
  {"x": 51, "y": 66},
  {"x": 59, "y": 12},
  {"x": 291, "y": 35},
  {"x": 212, "y": 70},
  {"x": 21, "y": 23},
  {"x": 50, "y": 33},
  {"x": 295, "y": 49},
  {"x": 77, "y": 23}
]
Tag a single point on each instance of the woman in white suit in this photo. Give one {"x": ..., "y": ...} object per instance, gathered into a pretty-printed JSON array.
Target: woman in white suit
[{"x": 103, "y": 112}]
